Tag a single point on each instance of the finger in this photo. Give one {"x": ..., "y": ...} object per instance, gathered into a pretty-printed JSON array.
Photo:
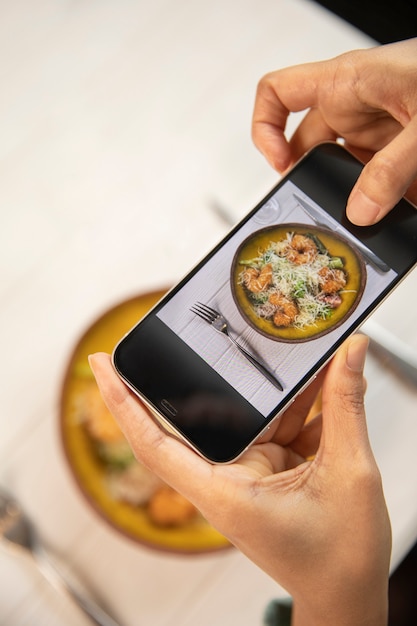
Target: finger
[
  {"x": 268, "y": 126},
  {"x": 411, "y": 194},
  {"x": 266, "y": 459},
  {"x": 292, "y": 420},
  {"x": 344, "y": 431},
  {"x": 158, "y": 451},
  {"x": 279, "y": 93},
  {"x": 385, "y": 178},
  {"x": 312, "y": 130},
  {"x": 362, "y": 154},
  {"x": 307, "y": 442}
]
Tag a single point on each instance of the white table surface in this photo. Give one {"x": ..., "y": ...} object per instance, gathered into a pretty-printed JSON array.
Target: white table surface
[{"x": 120, "y": 122}]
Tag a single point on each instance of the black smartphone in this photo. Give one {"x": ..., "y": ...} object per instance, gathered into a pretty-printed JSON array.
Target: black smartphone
[{"x": 227, "y": 350}]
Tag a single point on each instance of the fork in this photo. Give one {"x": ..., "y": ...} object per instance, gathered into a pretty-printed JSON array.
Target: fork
[
  {"x": 17, "y": 531},
  {"x": 220, "y": 324}
]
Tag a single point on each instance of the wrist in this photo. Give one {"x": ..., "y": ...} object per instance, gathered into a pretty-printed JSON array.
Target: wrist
[{"x": 368, "y": 610}]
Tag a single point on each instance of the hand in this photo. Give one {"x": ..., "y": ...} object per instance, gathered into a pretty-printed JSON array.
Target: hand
[
  {"x": 319, "y": 527},
  {"x": 368, "y": 98}
]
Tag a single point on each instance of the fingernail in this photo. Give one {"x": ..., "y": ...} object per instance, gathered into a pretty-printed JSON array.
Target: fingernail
[
  {"x": 91, "y": 361},
  {"x": 361, "y": 210},
  {"x": 356, "y": 353}
]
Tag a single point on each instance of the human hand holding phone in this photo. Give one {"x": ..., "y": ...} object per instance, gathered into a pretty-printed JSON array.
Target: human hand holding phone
[
  {"x": 366, "y": 97},
  {"x": 290, "y": 282},
  {"x": 318, "y": 527}
]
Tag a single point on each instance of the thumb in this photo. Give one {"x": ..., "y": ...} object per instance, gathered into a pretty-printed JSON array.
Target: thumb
[
  {"x": 385, "y": 178},
  {"x": 344, "y": 431}
]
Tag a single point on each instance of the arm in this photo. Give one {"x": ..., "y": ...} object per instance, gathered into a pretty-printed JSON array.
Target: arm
[
  {"x": 320, "y": 528},
  {"x": 368, "y": 98}
]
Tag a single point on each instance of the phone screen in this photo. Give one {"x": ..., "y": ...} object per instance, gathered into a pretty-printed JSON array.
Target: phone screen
[{"x": 287, "y": 285}]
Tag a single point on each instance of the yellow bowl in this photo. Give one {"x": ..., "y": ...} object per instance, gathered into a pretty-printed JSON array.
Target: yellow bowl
[
  {"x": 90, "y": 472},
  {"x": 337, "y": 246}
]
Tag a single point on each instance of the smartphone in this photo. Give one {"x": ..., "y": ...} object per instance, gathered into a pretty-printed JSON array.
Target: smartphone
[{"x": 229, "y": 348}]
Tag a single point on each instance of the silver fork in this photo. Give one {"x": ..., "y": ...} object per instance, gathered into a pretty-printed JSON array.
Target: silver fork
[
  {"x": 17, "y": 531},
  {"x": 219, "y": 323}
]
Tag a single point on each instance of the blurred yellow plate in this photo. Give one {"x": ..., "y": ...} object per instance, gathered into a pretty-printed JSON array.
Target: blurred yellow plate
[{"x": 195, "y": 536}]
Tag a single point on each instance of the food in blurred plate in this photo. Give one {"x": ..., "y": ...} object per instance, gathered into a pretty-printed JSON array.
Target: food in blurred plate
[{"x": 126, "y": 479}]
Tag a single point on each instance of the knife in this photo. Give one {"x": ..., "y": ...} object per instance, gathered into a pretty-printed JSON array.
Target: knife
[{"x": 331, "y": 224}]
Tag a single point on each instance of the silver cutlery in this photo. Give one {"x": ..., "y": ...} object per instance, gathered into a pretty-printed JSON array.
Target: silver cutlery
[
  {"x": 219, "y": 323},
  {"x": 17, "y": 531},
  {"x": 395, "y": 352},
  {"x": 328, "y": 222},
  {"x": 382, "y": 341}
]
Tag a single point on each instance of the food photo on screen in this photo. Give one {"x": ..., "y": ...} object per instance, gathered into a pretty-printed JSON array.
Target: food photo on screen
[{"x": 285, "y": 285}]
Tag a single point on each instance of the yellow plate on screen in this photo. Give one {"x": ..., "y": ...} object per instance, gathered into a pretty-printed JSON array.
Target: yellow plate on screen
[
  {"x": 194, "y": 536},
  {"x": 336, "y": 246}
]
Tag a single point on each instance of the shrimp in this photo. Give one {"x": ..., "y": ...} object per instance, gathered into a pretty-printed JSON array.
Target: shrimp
[
  {"x": 331, "y": 280},
  {"x": 286, "y": 309},
  {"x": 301, "y": 250},
  {"x": 257, "y": 281}
]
